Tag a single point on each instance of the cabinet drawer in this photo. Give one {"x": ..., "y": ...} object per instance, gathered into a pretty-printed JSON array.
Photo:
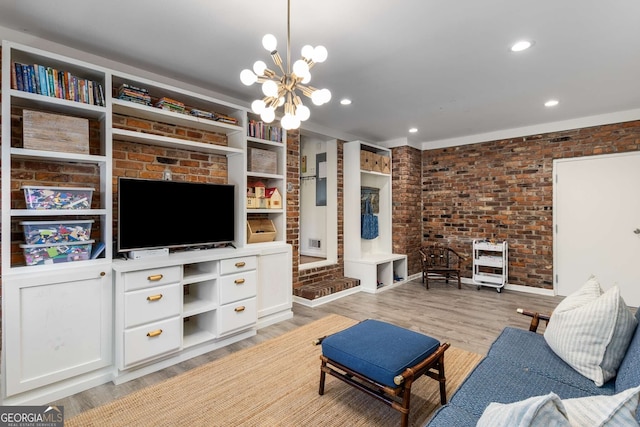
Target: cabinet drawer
[
  {"x": 241, "y": 314},
  {"x": 151, "y": 304},
  {"x": 235, "y": 287},
  {"x": 151, "y": 340},
  {"x": 235, "y": 265},
  {"x": 151, "y": 277}
]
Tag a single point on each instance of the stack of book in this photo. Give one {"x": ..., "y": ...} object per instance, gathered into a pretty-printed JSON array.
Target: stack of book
[
  {"x": 170, "y": 104},
  {"x": 201, "y": 113},
  {"x": 134, "y": 94},
  {"x": 219, "y": 117}
]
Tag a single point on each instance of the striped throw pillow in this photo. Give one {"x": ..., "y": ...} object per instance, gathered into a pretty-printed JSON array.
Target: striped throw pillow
[
  {"x": 591, "y": 330},
  {"x": 537, "y": 411},
  {"x": 600, "y": 411}
]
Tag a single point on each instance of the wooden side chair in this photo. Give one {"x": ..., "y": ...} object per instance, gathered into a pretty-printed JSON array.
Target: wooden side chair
[{"x": 442, "y": 261}]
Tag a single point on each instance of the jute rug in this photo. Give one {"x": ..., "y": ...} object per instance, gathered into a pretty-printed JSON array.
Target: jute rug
[{"x": 274, "y": 383}]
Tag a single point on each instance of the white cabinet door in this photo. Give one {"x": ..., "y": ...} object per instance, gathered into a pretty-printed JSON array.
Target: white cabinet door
[
  {"x": 596, "y": 215},
  {"x": 58, "y": 325},
  {"x": 275, "y": 292}
]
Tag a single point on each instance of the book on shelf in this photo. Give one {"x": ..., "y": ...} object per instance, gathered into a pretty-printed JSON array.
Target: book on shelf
[
  {"x": 48, "y": 81},
  {"x": 258, "y": 129}
]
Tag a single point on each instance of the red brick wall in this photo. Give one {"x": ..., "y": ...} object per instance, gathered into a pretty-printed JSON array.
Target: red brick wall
[
  {"x": 407, "y": 204},
  {"x": 503, "y": 190}
]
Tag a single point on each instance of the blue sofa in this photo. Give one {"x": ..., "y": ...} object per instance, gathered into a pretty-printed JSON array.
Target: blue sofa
[{"x": 520, "y": 365}]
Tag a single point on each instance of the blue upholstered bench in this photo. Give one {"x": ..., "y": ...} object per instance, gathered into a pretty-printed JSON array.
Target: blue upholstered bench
[{"x": 383, "y": 360}]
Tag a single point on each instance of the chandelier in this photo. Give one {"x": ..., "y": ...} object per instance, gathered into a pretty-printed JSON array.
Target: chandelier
[{"x": 282, "y": 89}]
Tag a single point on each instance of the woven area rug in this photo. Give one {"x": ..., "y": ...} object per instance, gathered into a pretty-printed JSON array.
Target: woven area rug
[{"x": 274, "y": 383}]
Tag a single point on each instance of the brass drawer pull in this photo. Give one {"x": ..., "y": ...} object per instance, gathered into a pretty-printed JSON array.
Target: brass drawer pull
[
  {"x": 238, "y": 281},
  {"x": 154, "y": 333},
  {"x": 239, "y": 309},
  {"x": 155, "y": 277},
  {"x": 240, "y": 264},
  {"x": 154, "y": 297}
]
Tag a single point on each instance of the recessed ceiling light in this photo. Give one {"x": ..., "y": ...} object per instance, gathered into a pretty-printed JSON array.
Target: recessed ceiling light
[
  {"x": 551, "y": 103},
  {"x": 413, "y": 130},
  {"x": 521, "y": 45},
  {"x": 345, "y": 101}
]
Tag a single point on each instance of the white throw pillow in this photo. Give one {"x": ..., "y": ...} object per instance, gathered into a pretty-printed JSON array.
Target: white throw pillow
[
  {"x": 599, "y": 411},
  {"x": 549, "y": 410},
  {"x": 591, "y": 331},
  {"x": 537, "y": 411}
]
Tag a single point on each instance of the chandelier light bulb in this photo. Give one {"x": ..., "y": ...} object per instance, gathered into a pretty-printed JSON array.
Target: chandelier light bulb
[
  {"x": 269, "y": 42},
  {"x": 270, "y": 88},
  {"x": 258, "y": 106},
  {"x": 247, "y": 77},
  {"x": 307, "y": 51},
  {"x": 303, "y": 112},
  {"x": 281, "y": 101},
  {"x": 268, "y": 114},
  {"x": 286, "y": 121},
  {"x": 320, "y": 54},
  {"x": 306, "y": 78},
  {"x": 300, "y": 68},
  {"x": 316, "y": 98},
  {"x": 321, "y": 96},
  {"x": 259, "y": 67}
]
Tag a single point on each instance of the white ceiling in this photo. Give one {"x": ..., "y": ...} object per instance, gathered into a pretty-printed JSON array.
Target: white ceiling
[{"x": 441, "y": 66}]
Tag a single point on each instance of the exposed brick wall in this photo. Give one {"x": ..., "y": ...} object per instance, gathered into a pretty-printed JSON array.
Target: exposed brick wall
[
  {"x": 145, "y": 161},
  {"x": 293, "y": 200},
  {"x": 407, "y": 204},
  {"x": 504, "y": 190}
]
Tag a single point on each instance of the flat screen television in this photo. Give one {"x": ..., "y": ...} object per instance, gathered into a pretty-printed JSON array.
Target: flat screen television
[{"x": 171, "y": 214}]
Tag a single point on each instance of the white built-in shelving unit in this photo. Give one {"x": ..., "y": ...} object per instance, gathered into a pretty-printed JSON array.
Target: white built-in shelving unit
[
  {"x": 74, "y": 325},
  {"x": 372, "y": 261}
]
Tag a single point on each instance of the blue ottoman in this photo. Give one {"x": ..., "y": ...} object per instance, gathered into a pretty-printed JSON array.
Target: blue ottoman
[{"x": 383, "y": 360}]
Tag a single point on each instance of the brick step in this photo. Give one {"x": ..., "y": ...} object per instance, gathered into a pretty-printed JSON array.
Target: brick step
[{"x": 324, "y": 288}]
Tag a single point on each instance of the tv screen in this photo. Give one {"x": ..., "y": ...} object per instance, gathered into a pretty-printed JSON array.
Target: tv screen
[{"x": 170, "y": 214}]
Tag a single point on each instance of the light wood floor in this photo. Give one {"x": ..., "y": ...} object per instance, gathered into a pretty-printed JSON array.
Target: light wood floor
[{"x": 467, "y": 318}]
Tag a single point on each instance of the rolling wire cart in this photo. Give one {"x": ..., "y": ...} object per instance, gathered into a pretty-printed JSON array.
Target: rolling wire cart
[{"x": 490, "y": 264}]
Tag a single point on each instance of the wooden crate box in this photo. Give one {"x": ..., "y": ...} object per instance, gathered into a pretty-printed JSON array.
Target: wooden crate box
[
  {"x": 263, "y": 161},
  {"x": 366, "y": 160},
  {"x": 260, "y": 230},
  {"x": 54, "y": 132}
]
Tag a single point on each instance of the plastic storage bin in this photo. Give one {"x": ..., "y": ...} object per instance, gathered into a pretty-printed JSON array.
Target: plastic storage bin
[
  {"x": 57, "y": 197},
  {"x": 57, "y": 253},
  {"x": 48, "y": 232}
]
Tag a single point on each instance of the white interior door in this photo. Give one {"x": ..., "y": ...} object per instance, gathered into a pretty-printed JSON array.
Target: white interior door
[{"x": 597, "y": 223}]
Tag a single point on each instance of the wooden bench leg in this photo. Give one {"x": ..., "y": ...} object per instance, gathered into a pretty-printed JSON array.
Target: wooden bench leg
[
  {"x": 323, "y": 376},
  {"x": 442, "y": 380}
]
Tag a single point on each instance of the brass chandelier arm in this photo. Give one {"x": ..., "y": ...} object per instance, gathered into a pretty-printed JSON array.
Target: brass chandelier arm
[{"x": 277, "y": 60}]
